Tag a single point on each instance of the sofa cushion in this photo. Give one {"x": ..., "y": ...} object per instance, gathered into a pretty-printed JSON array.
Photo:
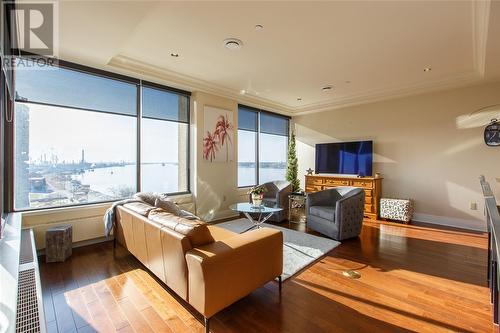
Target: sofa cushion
[
  {"x": 196, "y": 231},
  {"x": 325, "y": 212},
  {"x": 140, "y": 208}
]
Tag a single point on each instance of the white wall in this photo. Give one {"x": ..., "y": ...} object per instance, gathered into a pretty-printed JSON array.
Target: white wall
[
  {"x": 427, "y": 147},
  {"x": 215, "y": 184},
  {"x": 87, "y": 222}
]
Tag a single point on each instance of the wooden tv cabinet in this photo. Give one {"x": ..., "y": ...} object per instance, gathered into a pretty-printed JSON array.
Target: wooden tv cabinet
[{"x": 371, "y": 185}]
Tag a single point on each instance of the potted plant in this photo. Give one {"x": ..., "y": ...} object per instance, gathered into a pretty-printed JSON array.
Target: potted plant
[
  {"x": 257, "y": 193},
  {"x": 292, "y": 167}
]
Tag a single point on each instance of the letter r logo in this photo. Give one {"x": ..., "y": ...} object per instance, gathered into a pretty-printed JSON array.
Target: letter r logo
[{"x": 32, "y": 27}]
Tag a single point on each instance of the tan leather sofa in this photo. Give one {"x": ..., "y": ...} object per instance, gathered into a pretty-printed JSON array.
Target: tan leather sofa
[{"x": 208, "y": 266}]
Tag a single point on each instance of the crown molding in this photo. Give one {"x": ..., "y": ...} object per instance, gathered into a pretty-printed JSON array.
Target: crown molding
[
  {"x": 190, "y": 83},
  {"x": 480, "y": 24},
  {"x": 193, "y": 84},
  {"x": 378, "y": 95}
]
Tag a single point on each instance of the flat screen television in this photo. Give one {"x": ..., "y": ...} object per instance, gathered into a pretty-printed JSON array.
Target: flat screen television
[{"x": 354, "y": 158}]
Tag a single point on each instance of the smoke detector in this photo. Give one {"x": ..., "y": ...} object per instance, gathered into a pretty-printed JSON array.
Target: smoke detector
[{"x": 233, "y": 44}]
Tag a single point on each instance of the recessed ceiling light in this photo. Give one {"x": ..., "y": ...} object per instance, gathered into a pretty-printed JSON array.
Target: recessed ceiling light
[
  {"x": 427, "y": 69},
  {"x": 259, "y": 27},
  {"x": 175, "y": 55},
  {"x": 299, "y": 99},
  {"x": 327, "y": 88},
  {"x": 243, "y": 91},
  {"x": 233, "y": 43}
]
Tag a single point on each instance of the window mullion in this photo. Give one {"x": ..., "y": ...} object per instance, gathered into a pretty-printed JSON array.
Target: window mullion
[
  {"x": 257, "y": 151},
  {"x": 139, "y": 137}
]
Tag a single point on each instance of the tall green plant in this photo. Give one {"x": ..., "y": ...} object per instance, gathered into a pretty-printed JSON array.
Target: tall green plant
[{"x": 292, "y": 169}]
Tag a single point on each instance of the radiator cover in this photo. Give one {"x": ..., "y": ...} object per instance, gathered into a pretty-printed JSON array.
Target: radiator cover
[{"x": 29, "y": 316}]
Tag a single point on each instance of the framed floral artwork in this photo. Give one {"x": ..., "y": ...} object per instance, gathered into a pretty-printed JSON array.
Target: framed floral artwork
[{"x": 218, "y": 137}]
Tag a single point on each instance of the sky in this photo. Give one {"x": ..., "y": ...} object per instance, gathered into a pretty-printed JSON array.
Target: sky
[{"x": 272, "y": 148}]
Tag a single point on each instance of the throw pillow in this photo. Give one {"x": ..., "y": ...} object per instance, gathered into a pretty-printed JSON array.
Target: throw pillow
[
  {"x": 149, "y": 197},
  {"x": 187, "y": 215},
  {"x": 168, "y": 205}
]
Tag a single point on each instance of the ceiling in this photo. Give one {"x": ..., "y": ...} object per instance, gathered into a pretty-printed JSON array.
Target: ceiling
[{"x": 367, "y": 51}]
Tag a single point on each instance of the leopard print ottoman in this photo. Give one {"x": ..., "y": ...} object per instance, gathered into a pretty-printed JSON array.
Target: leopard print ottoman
[{"x": 396, "y": 209}]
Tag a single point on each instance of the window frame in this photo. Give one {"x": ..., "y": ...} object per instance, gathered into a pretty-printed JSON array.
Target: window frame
[
  {"x": 257, "y": 139},
  {"x": 9, "y": 140}
]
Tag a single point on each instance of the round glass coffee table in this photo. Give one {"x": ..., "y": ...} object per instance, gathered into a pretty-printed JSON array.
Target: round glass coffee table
[{"x": 265, "y": 212}]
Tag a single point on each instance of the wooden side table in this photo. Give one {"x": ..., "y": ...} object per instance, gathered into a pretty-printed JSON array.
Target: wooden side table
[{"x": 58, "y": 243}]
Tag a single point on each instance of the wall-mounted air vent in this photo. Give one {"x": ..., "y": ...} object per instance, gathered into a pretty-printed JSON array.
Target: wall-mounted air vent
[
  {"x": 27, "y": 319},
  {"x": 29, "y": 316},
  {"x": 26, "y": 251}
]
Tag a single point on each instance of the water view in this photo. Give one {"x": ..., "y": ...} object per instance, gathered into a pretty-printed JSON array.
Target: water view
[
  {"x": 59, "y": 185},
  {"x": 267, "y": 173}
]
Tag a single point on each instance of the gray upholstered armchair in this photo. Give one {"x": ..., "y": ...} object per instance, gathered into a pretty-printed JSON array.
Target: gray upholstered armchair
[
  {"x": 337, "y": 212},
  {"x": 276, "y": 194}
]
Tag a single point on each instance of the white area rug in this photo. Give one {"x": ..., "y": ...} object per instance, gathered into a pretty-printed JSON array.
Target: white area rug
[{"x": 299, "y": 249}]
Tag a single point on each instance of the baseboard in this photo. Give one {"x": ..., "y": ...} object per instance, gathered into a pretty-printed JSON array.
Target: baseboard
[
  {"x": 221, "y": 215},
  {"x": 225, "y": 217},
  {"x": 82, "y": 243},
  {"x": 467, "y": 224},
  {"x": 92, "y": 241}
]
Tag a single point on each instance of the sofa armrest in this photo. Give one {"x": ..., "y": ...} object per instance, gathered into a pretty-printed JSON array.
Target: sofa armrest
[{"x": 224, "y": 271}]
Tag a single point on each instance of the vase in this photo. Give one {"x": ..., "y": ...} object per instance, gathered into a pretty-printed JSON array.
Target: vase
[{"x": 257, "y": 199}]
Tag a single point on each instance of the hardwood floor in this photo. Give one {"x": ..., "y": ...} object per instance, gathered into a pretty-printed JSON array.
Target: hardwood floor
[{"x": 413, "y": 278}]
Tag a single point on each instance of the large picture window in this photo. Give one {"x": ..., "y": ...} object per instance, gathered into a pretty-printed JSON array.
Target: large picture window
[
  {"x": 76, "y": 138},
  {"x": 165, "y": 138},
  {"x": 262, "y": 146},
  {"x": 67, "y": 156}
]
